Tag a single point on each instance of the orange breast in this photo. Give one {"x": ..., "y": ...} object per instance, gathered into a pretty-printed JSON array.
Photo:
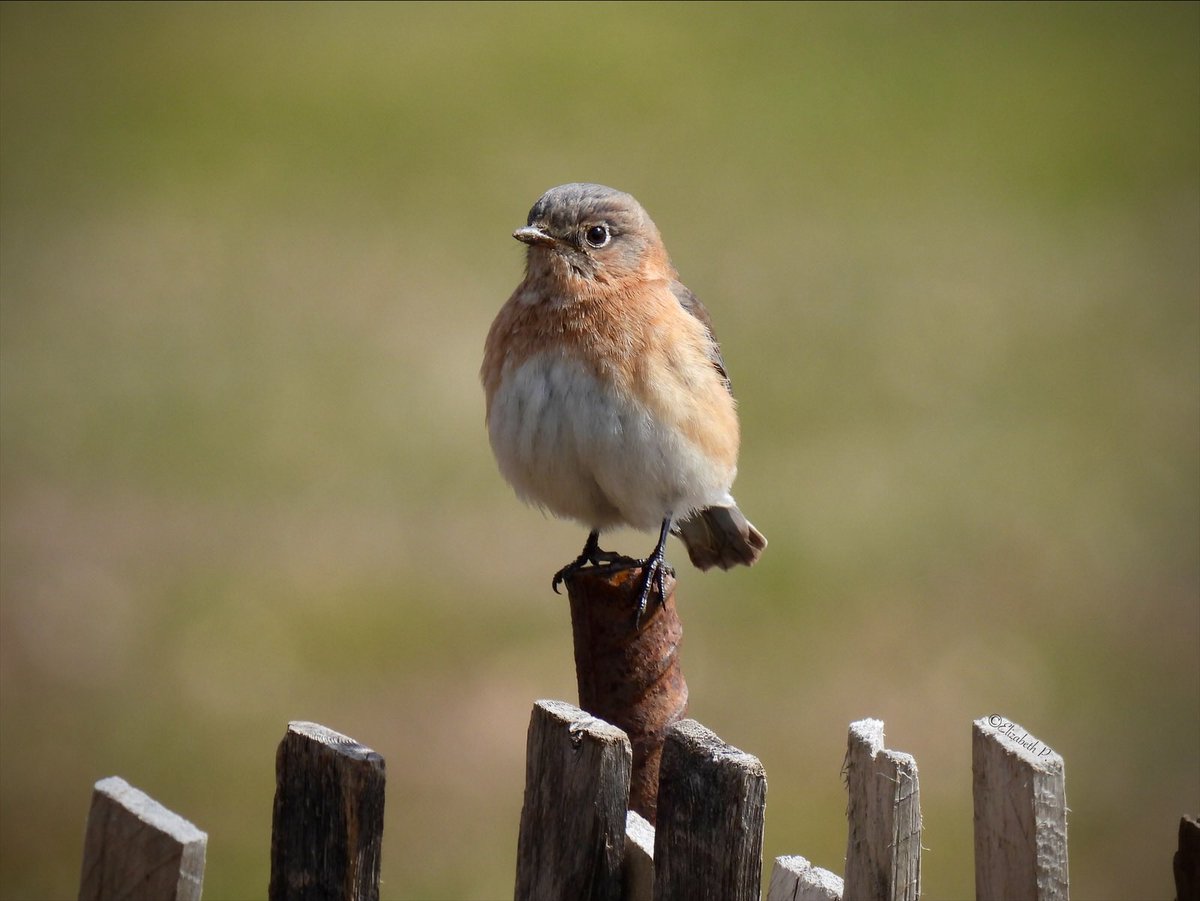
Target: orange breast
[{"x": 637, "y": 338}]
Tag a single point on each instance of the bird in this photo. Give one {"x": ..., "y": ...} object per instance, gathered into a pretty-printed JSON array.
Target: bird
[{"x": 607, "y": 398}]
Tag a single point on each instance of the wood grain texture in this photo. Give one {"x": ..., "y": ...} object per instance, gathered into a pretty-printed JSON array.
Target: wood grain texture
[
  {"x": 327, "y": 826},
  {"x": 136, "y": 849},
  {"x": 795, "y": 879},
  {"x": 883, "y": 847},
  {"x": 572, "y": 838},
  {"x": 711, "y": 802},
  {"x": 1020, "y": 814}
]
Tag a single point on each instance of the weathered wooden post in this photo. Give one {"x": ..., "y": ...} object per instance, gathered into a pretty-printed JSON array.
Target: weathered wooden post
[
  {"x": 795, "y": 879},
  {"x": 572, "y": 837},
  {"x": 711, "y": 801},
  {"x": 883, "y": 848},
  {"x": 629, "y": 676},
  {"x": 136, "y": 849},
  {"x": 327, "y": 825},
  {"x": 1020, "y": 814}
]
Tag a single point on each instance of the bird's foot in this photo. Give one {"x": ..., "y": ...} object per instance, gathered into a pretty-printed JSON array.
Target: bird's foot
[
  {"x": 592, "y": 555},
  {"x": 655, "y": 570}
]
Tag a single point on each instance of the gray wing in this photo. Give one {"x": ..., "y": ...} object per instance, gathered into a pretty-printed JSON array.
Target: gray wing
[{"x": 691, "y": 303}]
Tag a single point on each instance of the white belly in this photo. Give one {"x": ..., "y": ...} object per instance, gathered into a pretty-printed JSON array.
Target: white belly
[{"x": 567, "y": 442}]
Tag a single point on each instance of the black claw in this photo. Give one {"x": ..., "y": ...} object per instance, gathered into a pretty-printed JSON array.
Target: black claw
[{"x": 644, "y": 596}]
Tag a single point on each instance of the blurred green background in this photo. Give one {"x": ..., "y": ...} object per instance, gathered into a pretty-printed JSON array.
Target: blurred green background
[{"x": 249, "y": 256}]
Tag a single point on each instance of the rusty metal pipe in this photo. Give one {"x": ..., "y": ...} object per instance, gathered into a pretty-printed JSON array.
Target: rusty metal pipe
[{"x": 629, "y": 677}]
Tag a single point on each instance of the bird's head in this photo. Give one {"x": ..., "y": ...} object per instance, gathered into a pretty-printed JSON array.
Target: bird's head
[{"x": 593, "y": 233}]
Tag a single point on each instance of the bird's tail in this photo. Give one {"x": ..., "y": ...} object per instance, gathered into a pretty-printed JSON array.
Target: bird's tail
[{"x": 720, "y": 536}]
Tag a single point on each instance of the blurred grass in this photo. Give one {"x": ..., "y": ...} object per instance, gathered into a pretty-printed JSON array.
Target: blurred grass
[{"x": 248, "y": 254}]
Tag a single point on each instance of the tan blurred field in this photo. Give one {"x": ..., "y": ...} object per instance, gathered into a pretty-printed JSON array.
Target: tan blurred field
[{"x": 248, "y": 255}]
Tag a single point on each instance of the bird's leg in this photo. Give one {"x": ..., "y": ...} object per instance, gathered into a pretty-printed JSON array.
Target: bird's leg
[
  {"x": 654, "y": 572},
  {"x": 594, "y": 555}
]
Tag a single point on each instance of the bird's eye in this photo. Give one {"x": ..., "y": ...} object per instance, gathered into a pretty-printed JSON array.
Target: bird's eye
[{"x": 598, "y": 235}]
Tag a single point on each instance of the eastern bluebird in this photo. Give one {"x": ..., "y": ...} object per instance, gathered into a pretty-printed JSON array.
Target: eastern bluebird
[{"x": 607, "y": 398}]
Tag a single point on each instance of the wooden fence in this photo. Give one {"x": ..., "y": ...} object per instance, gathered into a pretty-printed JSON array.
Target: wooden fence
[
  {"x": 579, "y": 840},
  {"x": 707, "y": 843}
]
